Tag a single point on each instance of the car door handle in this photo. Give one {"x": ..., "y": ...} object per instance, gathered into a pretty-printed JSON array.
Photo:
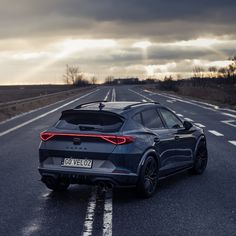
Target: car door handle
[
  {"x": 156, "y": 140},
  {"x": 177, "y": 137}
]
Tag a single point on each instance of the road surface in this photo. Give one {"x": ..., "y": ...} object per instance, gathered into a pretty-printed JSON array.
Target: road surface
[{"x": 183, "y": 204}]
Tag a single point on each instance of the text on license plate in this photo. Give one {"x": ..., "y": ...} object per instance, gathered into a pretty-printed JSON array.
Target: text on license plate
[{"x": 71, "y": 162}]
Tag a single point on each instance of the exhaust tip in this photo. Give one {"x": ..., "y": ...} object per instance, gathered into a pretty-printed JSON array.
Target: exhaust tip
[
  {"x": 105, "y": 186},
  {"x": 49, "y": 180}
]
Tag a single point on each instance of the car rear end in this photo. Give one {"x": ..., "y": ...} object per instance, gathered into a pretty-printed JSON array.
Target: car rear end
[{"x": 89, "y": 147}]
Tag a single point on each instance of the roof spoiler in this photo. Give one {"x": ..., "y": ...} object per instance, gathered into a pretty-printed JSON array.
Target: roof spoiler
[{"x": 73, "y": 112}]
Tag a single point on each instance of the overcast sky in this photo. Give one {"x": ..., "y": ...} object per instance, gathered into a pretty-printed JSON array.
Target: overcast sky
[{"x": 143, "y": 38}]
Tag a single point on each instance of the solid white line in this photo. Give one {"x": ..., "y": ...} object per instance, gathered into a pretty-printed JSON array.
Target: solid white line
[
  {"x": 43, "y": 115},
  {"x": 180, "y": 115},
  {"x": 227, "y": 114},
  {"x": 233, "y": 142},
  {"x": 107, "y": 95},
  {"x": 29, "y": 112},
  {"x": 188, "y": 119},
  {"x": 107, "y": 217},
  {"x": 215, "y": 133},
  {"x": 113, "y": 95},
  {"x": 148, "y": 99},
  {"x": 200, "y": 125},
  {"x": 192, "y": 102},
  {"x": 88, "y": 223}
]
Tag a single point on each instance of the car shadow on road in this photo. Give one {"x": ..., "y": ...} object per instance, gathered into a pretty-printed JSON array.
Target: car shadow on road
[{"x": 130, "y": 194}]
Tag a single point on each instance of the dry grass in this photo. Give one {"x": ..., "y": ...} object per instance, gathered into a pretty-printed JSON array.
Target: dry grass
[
  {"x": 9, "y": 110},
  {"x": 224, "y": 95}
]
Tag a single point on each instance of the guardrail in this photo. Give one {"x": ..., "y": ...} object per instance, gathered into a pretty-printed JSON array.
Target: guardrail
[{"x": 12, "y": 108}]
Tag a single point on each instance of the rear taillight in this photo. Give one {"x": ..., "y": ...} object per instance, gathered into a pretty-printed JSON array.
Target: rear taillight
[
  {"x": 46, "y": 136},
  {"x": 114, "y": 139},
  {"x": 118, "y": 140}
]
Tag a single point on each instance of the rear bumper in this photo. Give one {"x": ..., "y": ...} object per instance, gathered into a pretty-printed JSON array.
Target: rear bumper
[{"x": 85, "y": 176}]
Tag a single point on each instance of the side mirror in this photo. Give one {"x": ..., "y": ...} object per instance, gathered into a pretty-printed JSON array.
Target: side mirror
[{"x": 187, "y": 125}]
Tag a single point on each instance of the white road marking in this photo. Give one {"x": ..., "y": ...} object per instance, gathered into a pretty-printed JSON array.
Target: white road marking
[
  {"x": 180, "y": 115},
  {"x": 200, "y": 125},
  {"x": 107, "y": 217},
  {"x": 107, "y": 95},
  {"x": 144, "y": 100},
  {"x": 147, "y": 91},
  {"x": 45, "y": 114},
  {"x": 229, "y": 122},
  {"x": 228, "y": 114},
  {"x": 32, "y": 229},
  {"x": 147, "y": 98},
  {"x": 113, "y": 95},
  {"x": 233, "y": 142},
  {"x": 196, "y": 103},
  {"x": 170, "y": 101},
  {"x": 188, "y": 119},
  {"x": 88, "y": 223},
  {"x": 29, "y": 112},
  {"x": 215, "y": 133}
]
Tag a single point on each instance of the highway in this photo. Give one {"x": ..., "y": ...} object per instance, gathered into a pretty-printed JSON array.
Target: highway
[{"x": 182, "y": 205}]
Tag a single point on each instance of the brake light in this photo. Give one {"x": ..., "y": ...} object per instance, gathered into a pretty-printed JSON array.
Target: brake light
[
  {"x": 114, "y": 139},
  {"x": 46, "y": 136},
  {"x": 118, "y": 140}
]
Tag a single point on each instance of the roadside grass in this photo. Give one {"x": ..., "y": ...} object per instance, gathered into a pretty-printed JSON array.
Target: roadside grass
[{"x": 221, "y": 95}]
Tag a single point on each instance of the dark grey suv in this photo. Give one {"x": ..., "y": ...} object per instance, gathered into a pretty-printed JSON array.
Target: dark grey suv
[{"x": 119, "y": 144}]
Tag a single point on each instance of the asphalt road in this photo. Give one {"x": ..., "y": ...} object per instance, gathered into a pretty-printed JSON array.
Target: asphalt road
[{"x": 183, "y": 204}]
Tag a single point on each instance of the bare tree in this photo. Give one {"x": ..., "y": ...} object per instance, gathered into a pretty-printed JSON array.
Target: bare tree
[
  {"x": 72, "y": 74},
  {"x": 232, "y": 68},
  {"x": 198, "y": 72},
  {"x": 222, "y": 72},
  {"x": 109, "y": 79},
  {"x": 212, "y": 70},
  {"x": 94, "y": 80}
]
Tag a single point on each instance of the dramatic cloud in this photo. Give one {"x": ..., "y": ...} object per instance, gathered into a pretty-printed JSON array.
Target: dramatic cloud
[{"x": 110, "y": 37}]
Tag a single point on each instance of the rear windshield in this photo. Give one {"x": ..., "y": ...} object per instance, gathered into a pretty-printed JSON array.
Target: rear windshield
[{"x": 90, "y": 121}]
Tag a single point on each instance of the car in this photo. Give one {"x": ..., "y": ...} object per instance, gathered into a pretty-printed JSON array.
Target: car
[{"x": 112, "y": 144}]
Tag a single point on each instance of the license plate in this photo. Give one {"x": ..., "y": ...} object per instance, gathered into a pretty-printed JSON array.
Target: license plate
[{"x": 71, "y": 162}]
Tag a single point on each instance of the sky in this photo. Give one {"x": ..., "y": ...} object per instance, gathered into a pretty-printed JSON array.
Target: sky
[{"x": 125, "y": 38}]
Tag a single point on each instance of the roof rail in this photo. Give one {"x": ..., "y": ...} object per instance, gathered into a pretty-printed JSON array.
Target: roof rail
[
  {"x": 87, "y": 103},
  {"x": 139, "y": 103}
]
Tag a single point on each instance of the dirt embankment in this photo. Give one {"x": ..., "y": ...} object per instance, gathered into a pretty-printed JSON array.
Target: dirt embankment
[{"x": 32, "y": 98}]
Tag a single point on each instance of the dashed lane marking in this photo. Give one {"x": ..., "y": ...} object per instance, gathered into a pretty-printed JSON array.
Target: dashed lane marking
[
  {"x": 203, "y": 105},
  {"x": 113, "y": 95},
  {"x": 171, "y": 101},
  {"x": 43, "y": 115},
  {"x": 200, "y": 125},
  {"x": 233, "y": 142},
  {"x": 107, "y": 95},
  {"x": 144, "y": 100},
  {"x": 188, "y": 119},
  {"x": 229, "y": 122},
  {"x": 180, "y": 115},
  {"x": 147, "y": 98},
  {"x": 215, "y": 133}
]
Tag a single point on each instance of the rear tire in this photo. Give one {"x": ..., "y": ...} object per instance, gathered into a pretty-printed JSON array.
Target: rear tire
[
  {"x": 201, "y": 160},
  {"x": 148, "y": 178}
]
